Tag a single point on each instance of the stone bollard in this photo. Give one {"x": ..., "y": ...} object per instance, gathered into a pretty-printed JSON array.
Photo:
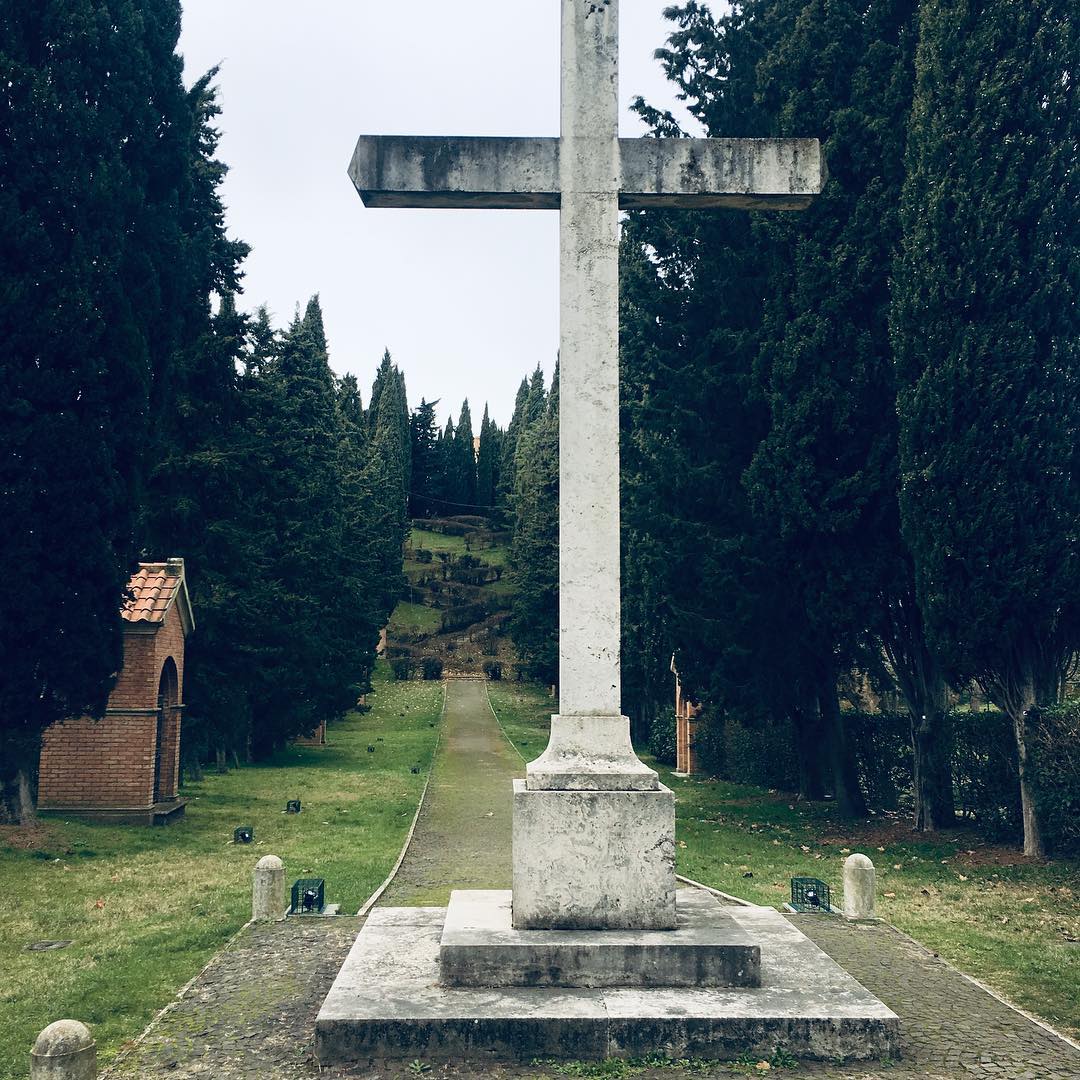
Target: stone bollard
[
  {"x": 268, "y": 890},
  {"x": 859, "y": 888},
  {"x": 64, "y": 1051}
]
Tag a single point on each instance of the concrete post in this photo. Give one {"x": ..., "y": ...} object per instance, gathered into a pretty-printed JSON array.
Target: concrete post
[
  {"x": 268, "y": 890},
  {"x": 859, "y": 889},
  {"x": 64, "y": 1051}
]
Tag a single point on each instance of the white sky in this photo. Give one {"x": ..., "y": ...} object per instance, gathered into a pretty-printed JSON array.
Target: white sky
[{"x": 466, "y": 300}]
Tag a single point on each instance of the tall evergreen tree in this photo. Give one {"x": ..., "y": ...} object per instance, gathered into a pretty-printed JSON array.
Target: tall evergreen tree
[
  {"x": 486, "y": 461},
  {"x": 508, "y": 450},
  {"x": 95, "y": 138},
  {"x": 424, "y": 487},
  {"x": 534, "y": 555},
  {"x": 465, "y": 461},
  {"x": 986, "y": 327}
]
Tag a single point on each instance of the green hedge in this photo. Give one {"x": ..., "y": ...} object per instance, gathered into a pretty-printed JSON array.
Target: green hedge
[{"x": 1054, "y": 751}]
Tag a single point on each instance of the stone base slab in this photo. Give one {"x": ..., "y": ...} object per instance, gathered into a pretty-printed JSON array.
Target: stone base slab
[
  {"x": 480, "y": 948},
  {"x": 593, "y": 860},
  {"x": 387, "y": 1004},
  {"x": 162, "y": 813}
]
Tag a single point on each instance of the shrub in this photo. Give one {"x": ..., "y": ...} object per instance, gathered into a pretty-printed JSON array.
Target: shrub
[
  {"x": 1054, "y": 753},
  {"x": 662, "y": 738},
  {"x": 882, "y": 746},
  {"x": 758, "y": 752},
  {"x": 402, "y": 667},
  {"x": 423, "y": 555},
  {"x": 493, "y": 670},
  {"x": 985, "y": 773},
  {"x": 431, "y": 667}
]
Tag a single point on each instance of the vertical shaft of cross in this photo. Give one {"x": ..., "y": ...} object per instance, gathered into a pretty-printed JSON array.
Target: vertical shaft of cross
[{"x": 589, "y": 174}]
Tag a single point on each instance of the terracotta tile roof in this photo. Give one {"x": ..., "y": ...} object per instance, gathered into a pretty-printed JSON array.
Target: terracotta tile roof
[{"x": 153, "y": 589}]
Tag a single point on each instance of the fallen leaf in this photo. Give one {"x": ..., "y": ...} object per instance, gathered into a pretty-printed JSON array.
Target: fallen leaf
[
  {"x": 763, "y": 1066},
  {"x": 962, "y": 877},
  {"x": 898, "y": 866},
  {"x": 99, "y": 904},
  {"x": 890, "y": 895}
]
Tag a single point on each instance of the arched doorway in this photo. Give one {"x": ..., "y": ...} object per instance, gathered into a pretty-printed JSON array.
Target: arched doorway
[{"x": 168, "y": 694}]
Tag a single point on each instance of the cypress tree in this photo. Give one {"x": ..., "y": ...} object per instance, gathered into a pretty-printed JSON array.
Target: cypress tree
[
  {"x": 424, "y": 437},
  {"x": 505, "y": 489},
  {"x": 465, "y": 461},
  {"x": 534, "y": 554},
  {"x": 986, "y": 328},
  {"x": 94, "y": 137},
  {"x": 485, "y": 463}
]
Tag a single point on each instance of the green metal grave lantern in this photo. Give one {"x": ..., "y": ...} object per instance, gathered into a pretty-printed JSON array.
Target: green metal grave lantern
[
  {"x": 809, "y": 894},
  {"x": 308, "y": 896},
  {"x": 243, "y": 834},
  {"x": 292, "y": 806}
]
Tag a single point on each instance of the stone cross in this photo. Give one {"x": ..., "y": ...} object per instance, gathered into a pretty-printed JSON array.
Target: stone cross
[{"x": 588, "y": 175}]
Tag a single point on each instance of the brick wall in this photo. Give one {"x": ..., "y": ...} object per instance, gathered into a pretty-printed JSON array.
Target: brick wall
[{"x": 109, "y": 763}]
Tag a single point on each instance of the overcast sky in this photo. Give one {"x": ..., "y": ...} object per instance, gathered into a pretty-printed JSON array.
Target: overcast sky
[{"x": 466, "y": 300}]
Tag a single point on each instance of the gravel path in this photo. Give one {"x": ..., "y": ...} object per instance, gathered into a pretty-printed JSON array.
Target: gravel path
[{"x": 462, "y": 839}]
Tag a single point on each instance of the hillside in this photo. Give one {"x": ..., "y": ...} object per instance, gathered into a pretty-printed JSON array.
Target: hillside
[{"x": 457, "y": 603}]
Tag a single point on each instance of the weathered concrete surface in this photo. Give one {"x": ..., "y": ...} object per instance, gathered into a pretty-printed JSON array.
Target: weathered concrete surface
[
  {"x": 746, "y": 174},
  {"x": 436, "y": 171},
  {"x": 593, "y": 860},
  {"x": 387, "y": 1004},
  {"x": 480, "y": 948},
  {"x": 65, "y": 1050},
  {"x": 590, "y": 753},
  {"x": 268, "y": 890},
  {"x": 860, "y": 886},
  {"x": 524, "y": 174}
]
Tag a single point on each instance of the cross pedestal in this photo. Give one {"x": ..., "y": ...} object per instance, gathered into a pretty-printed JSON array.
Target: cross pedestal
[{"x": 589, "y": 947}]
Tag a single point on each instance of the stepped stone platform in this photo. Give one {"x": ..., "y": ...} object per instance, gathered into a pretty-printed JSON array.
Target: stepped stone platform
[
  {"x": 480, "y": 948},
  {"x": 388, "y": 1003}
]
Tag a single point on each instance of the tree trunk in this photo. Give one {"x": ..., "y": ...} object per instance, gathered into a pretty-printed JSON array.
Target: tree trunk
[
  {"x": 18, "y": 760},
  {"x": 935, "y": 807},
  {"x": 806, "y": 721},
  {"x": 1033, "y": 844},
  {"x": 849, "y": 797}
]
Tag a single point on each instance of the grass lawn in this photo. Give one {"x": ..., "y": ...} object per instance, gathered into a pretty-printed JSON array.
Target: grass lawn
[
  {"x": 147, "y": 907},
  {"x": 433, "y": 541},
  {"x": 1009, "y": 921},
  {"x": 414, "y": 617}
]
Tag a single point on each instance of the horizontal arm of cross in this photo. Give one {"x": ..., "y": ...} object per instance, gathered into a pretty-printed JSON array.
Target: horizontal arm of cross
[{"x": 523, "y": 174}]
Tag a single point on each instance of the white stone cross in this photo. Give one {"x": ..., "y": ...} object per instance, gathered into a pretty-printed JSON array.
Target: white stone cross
[{"x": 588, "y": 175}]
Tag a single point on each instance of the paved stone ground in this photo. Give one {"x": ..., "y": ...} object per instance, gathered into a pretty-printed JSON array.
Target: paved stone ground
[{"x": 252, "y": 1013}]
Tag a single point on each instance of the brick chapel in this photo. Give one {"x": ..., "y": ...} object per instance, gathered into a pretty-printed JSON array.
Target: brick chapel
[{"x": 126, "y": 766}]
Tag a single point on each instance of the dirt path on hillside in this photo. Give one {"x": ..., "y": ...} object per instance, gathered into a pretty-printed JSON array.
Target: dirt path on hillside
[{"x": 462, "y": 839}]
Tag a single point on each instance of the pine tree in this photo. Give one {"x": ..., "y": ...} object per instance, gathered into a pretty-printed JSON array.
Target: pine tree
[{"x": 986, "y": 327}]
